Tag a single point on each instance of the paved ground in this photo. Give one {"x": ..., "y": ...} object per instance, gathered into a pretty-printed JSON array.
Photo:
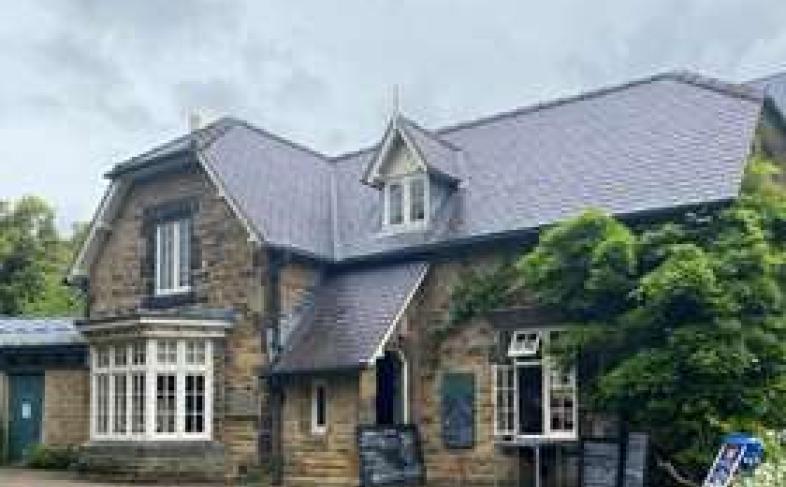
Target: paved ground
[{"x": 15, "y": 477}]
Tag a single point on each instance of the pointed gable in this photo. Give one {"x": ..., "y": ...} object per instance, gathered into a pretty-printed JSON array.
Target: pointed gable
[{"x": 408, "y": 148}]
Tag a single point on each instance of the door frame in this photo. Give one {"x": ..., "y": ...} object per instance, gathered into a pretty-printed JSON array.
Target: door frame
[{"x": 11, "y": 403}]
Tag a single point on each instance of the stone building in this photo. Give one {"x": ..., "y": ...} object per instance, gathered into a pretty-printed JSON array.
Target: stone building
[
  {"x": 44, "y": 386},
  {"x": 256, "y": 304}
]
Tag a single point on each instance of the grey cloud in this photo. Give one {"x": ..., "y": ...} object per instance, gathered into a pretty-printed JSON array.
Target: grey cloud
[{"x": 112, "y": 78}]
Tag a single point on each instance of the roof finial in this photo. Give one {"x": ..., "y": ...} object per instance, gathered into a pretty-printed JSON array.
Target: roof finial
[{"x": 396, "y": 99}]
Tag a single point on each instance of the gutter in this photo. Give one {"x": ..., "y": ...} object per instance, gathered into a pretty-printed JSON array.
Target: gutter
[{"x": 271, "y": 280}]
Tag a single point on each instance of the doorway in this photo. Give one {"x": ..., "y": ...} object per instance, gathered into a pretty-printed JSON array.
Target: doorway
[
  {"x": 26, "y": 399},
  {"x": 391, "y": 401}
]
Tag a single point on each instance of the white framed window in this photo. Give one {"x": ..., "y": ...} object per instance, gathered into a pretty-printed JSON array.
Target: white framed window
[
  {"x": 524, "y": 344},
  {"x": 504, "y": 400},
  {"x": 152, "y": 389},
  {"x": 533, "y": 397},
  {"x": 406, "y": 201},
  {"x": 319, "y": 407},
  {"x": 173, "y": 257}
]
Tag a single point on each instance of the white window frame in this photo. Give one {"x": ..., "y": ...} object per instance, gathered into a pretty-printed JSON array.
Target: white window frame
[
  {"x": 548, "y": 366},
  {"x": 178, "y": 287},
  {"x": 406, "y": 183},
  {"x": 316, "y": 428},
  {"x": 524, "y": 343},
  {"x": 150, "y": 370}
]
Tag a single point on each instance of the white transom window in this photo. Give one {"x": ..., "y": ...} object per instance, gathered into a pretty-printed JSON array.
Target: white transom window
[
  {"x": 152, "y": 389},
  {"x": 173, "y": 256},
  {"x": 406, "y": 201},
  {"x": 533, "y": 397}
]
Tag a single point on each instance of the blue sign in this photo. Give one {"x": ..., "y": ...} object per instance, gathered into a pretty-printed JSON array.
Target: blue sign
[{"x": 739, "y": 452}]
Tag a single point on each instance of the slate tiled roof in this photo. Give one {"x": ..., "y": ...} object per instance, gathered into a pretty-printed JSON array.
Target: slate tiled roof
[
  {"x": 441, "y": 157},
  {"x": 670, "y": 140},
  {"x": 350, "y": 314},
  {"x": 21, "y": 332},
  {"x": 657, "y": 144},
  {"x": 284, "y": 190},
  {"x": 775, "y": 88}
]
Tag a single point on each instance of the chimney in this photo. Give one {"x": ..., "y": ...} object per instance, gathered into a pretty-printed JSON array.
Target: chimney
[{"x": 194, "y": 121}]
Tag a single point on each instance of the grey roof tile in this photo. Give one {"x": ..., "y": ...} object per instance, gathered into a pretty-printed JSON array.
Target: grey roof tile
[
  {"x": 20, "y": 332},
  {"x": 650, "y": 145},
  {"x": 440, "y": 156},
  {"x": 350, "y": 313},
  {"x": 669, "y": 140}
]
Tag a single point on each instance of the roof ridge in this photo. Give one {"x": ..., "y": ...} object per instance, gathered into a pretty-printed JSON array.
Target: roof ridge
[
  {"x": 763, "y": 79},
  {"x": 302, "y": 147},
  {"x": 202, "y": 137},
  {"x": 683, "y": 76},
  {"x": 430, "y": 133}
]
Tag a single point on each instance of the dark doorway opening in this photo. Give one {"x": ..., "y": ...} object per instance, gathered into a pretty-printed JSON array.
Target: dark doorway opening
[
  {"x": 390, "y": 390},
  {"x": 530, "y": 400}
]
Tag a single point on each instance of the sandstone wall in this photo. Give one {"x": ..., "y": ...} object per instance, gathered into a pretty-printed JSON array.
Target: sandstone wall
[
  {"x": 66, "y": 412},
  {"x": 228, "y": 276}
]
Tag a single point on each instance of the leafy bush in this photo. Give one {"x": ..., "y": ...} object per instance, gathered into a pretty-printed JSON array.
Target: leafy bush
[{"x": 51, "y": 457}]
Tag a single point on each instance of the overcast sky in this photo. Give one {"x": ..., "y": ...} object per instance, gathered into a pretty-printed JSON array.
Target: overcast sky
[{"x": 86, "y": 84}]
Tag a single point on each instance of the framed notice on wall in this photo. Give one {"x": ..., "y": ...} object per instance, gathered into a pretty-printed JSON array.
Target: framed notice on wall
[{"x": 457, "y": 410}]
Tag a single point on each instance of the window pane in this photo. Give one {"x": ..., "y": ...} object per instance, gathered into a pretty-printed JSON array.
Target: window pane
[
  {"x": 184, "y": 264},
  {"x": 121, "y": 355},
  {"x": 504, "y": 400},
  {"x": 561, "y": 400},
  {"x": 138, "y": 403},
  {"x": 166, "y": 255},
  {"x": 166, "y": 404},
  {"x": 321, "y": 406},
  {"x": 195, "y": 403},
  {"x": 395, "y": 204},
  {"x": 102, "y": 357},
  {"x": 166, "y": 351},
  {"x": 195, "y": 352},
  {"x": 102, "y": 403},
  {"x": 417, "y": 200},
  {"x": 119, "y": 424},
  {"x": 138, "y": 353}
]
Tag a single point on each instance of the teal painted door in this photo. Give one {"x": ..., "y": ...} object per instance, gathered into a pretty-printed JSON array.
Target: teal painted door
[{"x": 26, "y": 400}]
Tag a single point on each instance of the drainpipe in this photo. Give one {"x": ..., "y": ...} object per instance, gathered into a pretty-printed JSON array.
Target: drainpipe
[{"x": 276, "y": 260}]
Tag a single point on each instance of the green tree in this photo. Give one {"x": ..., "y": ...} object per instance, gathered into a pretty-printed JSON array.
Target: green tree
[
  {"x": 688, "y": 317},
  {"x": 679, "y": 327},
  {"x": 34, "y": 260}
]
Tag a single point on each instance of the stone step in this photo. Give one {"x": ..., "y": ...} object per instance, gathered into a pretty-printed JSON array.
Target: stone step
[{"x": 316, "y": 481}]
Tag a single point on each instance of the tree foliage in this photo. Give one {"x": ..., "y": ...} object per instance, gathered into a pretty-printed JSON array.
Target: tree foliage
[
  {"x": 688, "y": 316},
  {"x": 685, "y": 319},
  {"x": 33, "y": 261}
]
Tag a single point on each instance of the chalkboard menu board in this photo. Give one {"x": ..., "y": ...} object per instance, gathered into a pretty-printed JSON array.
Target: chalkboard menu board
[
  {"x": 600, "y": 463},
  {"x": 603, "y": 466},
  {"x": 458, "y": 410},
  {"x": 390, "y": 455},
  {"x": 636, "y": 460}
]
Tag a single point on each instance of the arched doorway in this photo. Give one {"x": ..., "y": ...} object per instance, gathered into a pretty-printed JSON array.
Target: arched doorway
[{"x": 391, "y": 402}]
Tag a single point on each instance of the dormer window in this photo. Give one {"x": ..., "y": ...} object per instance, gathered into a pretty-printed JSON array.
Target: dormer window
[{"x": 406, "y": 201}]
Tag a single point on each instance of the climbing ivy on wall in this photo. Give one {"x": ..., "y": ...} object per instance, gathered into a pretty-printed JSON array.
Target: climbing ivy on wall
[{"x": 689, "y": 316}]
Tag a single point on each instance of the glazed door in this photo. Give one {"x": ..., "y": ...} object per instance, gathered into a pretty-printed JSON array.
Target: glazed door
[{"x": 26, "y": 399}]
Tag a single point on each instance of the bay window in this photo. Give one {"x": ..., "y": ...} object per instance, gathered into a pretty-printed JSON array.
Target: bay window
[
  {"x": 152, "y": 389},
  {"x": 533, "y": 397}
]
